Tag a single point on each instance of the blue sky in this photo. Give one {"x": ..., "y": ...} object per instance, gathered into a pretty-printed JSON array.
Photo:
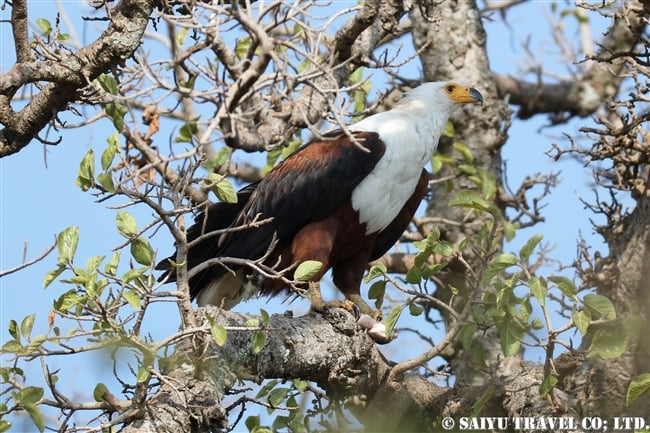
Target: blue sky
[{"x": 39, "y": 198}]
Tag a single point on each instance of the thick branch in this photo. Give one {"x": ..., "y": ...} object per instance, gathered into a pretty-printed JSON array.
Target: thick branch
[
  {"x": 333, "y": 352},
  {"x": 583, "y": 95},
  {"x": 68, "y": 76},
  {"x": 19, "y": 30}
]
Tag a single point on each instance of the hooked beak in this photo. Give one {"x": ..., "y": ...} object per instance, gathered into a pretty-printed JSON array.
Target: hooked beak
[{"x": 466, "y": 95}]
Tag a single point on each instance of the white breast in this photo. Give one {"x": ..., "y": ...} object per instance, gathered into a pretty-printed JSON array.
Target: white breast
[{"x": 409, "y": 147}]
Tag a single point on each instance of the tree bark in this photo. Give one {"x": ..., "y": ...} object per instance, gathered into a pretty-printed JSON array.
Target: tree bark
[
  {"x": 336, "y": 354},
  {"x": 68, "y": 75},
  {"x": 457, "y": 51}
]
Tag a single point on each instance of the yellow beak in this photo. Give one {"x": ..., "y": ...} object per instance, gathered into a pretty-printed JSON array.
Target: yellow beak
[{"x": 466, "y": 95}]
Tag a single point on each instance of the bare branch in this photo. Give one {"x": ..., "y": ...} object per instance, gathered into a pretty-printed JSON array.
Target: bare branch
[{"x": 23, "y": 265}]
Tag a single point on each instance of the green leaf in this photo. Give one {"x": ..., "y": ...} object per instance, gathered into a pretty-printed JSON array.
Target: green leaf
[
  {"x": 444, "y": 249},
  {"x": 307, "y": 270},
  {"x": 217, "y": 331},
  {"x": 376, "y": 270},
  {"x": 187, "y": 131},
  {"x": 106, "y": 181},
  {"x": 4, "y": 425},
  {"x": 356, "y": 76},
  {"x": 538, "y": 289},
  {"x": 486, "y": 182},
  {"x": 391, "y": 320},
  {"x": 527, "y": 249},
  {"x": 108, "y": 83},
  {"x": 132, "y": 298},
  {"x": 252, "y": 422},
  {"x": 219, "y": 334},
  {"x": 141, "y": 251},
  {"x": 300, "y": 385},
  {"x": 242, "y": 46},
  {"x": 465, "y": 151},
  {"x": 86, "y": 177},
  {"x": 467, "y": 169},
  {"x": 142, "y": 375},
  {"x": 36, "y": 415},
  {"x": 510, "y": 336},
  {"x": 67, "y": 242},
  {"x": 638, "y": 385},
  {"x": 181, "y": 35},
  {"x": 252, "y": 323},
  {"x": 415, "y": 309},
  {"x": 377, "y": 291},
  {"x": 26, "y": 326},
  {"x": 13, "y": 329},
  {"x": 29, "y": 394},
  {"x": 266, "y": 388},
  {"x": 498, "y": 265},
  {"x": 67, "y": 300},
  {"x": 258, "y": 340},
  {"x": 44, "y": 26},
  {"x": 565, "y": 285},
  {"x": 466, "y": 334},
  {"x": 600, "y": 306},
  {"x": 116, "y": 113},
  {"x": 133, "y": 274},
  {"x": 93, "y": 263},
  {"x": 547, "y": 385},
  {"x": 609, "y": 342},
  {"x": 99, "y": 392},
  {"x": 510, "y": 230},
  {"x": 222, "y": 188},
  {"x": 279, "y": 423},
  {"x": 429, "y": 271},
  {"x": 111, "y": 266},
  {"x": 265, "y": 316},
  {"x": 536, "y": 324},
  {"x": 51, "y": 275},
  {"x": 189, "y": 83},
  {"x": 109, "y": 153},
  {"x": 12, "y": 346},
  {"x": 470, "y": 199},
  {"x": 126, "y": 224},
  {"x": 220, "y": 158},
  {"x": 278, "y": 396},
  {"x": 414, "y": 276}
]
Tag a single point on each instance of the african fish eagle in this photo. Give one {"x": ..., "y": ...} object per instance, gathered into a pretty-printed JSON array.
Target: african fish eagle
[{"x": 338, "y": 201}]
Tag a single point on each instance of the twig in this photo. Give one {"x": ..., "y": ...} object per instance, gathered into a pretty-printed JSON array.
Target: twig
[{"x": 23, "y": 265}]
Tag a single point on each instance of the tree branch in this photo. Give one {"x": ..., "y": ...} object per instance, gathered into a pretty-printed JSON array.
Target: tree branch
[
  {"x": 19, "y": 28},
  {"x": 584, "y": 94},
  {"x": 69, "y": 75},
  {"x": 332, "y": 351}
]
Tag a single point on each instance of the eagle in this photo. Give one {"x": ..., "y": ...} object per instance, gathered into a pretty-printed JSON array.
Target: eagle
[{"x": 343, "y": 200}]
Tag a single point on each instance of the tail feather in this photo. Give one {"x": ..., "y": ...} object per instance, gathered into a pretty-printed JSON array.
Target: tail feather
[
  {"x": 218, "y": 216},
  {"x": 226, "y": 291}
]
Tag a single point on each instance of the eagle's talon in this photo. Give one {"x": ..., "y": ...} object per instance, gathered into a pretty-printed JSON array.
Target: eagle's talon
[{"x": 356, "y": 311}]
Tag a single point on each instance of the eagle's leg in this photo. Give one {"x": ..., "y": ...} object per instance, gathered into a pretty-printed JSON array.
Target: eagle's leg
[
  {"x": 347, "y": 276},
  {"x": 318, "y": 304}
]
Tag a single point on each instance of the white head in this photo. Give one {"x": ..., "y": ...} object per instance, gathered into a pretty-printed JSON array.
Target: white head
[{"x": 439, "y": 96}]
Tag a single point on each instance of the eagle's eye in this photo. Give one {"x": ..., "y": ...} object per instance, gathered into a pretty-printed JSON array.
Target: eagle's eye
[{"x": 450, "y": 88}]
